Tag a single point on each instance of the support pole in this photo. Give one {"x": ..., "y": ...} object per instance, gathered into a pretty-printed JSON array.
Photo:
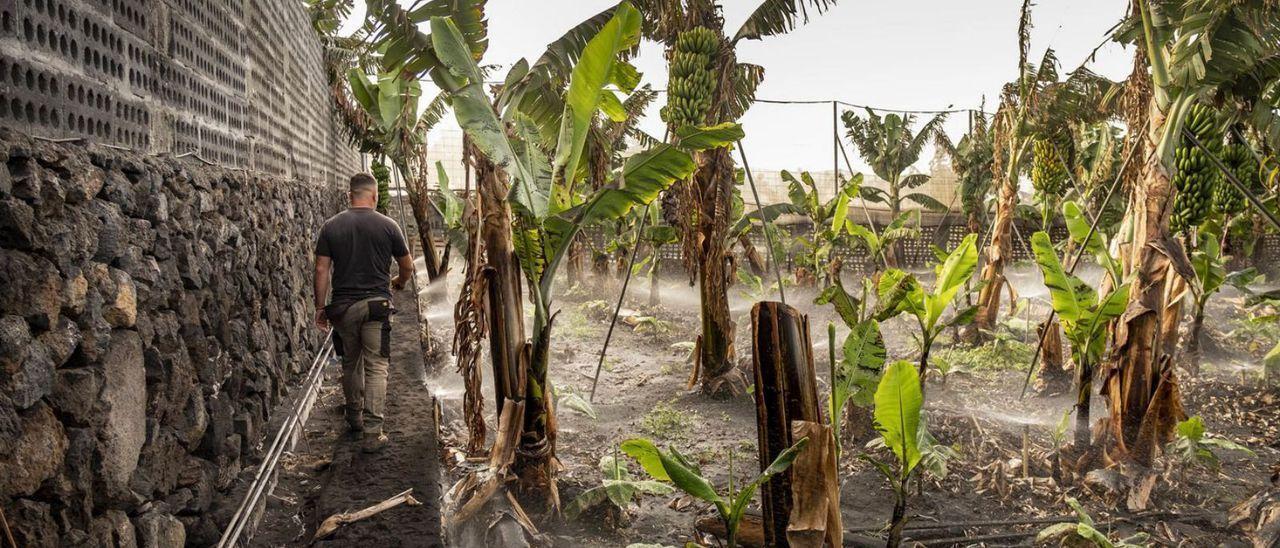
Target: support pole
[
  {"x": 424, "y": 334},
  {"x": 835, "y": 150},
  {"x": 768, "y": 235},
  {"x": 626, "y": 280}
]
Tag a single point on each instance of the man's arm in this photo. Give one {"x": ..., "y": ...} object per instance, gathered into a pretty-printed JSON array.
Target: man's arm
[
  {"x": 322, "y": 280},
  {"x": 405, "y": 262}
]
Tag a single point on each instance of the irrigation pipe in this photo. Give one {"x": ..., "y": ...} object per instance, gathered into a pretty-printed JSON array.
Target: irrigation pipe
[
  {"x": 248, "y": 506},
  {"x": 1093, "y": 227},
  {"x": 965, "y": 524},
  {"x": 768, "y": 234},
  {"x": 626, "y": 280},
  {"x": 970, "y": 540}
]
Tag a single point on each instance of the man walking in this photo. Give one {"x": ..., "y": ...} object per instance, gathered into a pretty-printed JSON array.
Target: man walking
[{"x": 353, "y": 255}]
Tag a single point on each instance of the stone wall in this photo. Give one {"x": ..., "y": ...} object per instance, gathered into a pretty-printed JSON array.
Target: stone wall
[{"x": 151, "y": 312}]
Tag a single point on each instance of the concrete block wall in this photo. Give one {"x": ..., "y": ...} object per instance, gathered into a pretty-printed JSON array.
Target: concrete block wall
[{"x": 238, "y": 82}]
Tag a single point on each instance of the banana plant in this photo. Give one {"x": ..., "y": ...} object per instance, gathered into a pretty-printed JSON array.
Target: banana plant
[
  {"x": 389, "y": 102},
  {"x": 900, "y": 292},
  {"x": 1084, "y": 533},
  {"x": 685, "y": 475},
  {"x": 1223, "y": 52},
  {"x": 1192, "y": 448},
  {"x": 899, "y": 399},
  {"x": 1094, "y": 243},
  {"x": 544, "y": 162},
  {"x": 617, "y": 487},
  {"x": 451, "y": 208},
  {"x": 1084, "y": 317},
  {"x": 855, "y": 376},
  {"x": 905, "y": 226},
  {"x": 827, "y": 219}
]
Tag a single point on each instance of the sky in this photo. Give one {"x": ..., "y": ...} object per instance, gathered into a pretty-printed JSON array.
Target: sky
[{"x": 901, "y": 54}]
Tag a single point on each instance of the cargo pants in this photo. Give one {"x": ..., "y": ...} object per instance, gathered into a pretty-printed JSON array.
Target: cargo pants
[{"x": 362, "y": 336}]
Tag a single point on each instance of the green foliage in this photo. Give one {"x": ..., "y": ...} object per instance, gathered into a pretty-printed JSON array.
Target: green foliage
[
  {"x": 830, "y": 220},
  {"x": 900, "y": 292},
  {"x": 451, "y": 208},
  {"x": 1002, "y": 353},
  {"x": 1084, "y": 316},
  {"x": 568, "y": 399},
  {"x": 857, "y": 374},
  {"x": 898, "y": 401},
  {"x": 904, "y": 226},
  {"x": 652, "y": 325},
  {"x": 1083, "y": 531},
  {"x": 890, "y": 147},
  {"x": 666, "y": 422},
  {"x": 1192, "y": 448},
  {"x": 1096, "y": 243},
  {"x": 674, "y": 467},
  {"x": 617, "y": 488}
]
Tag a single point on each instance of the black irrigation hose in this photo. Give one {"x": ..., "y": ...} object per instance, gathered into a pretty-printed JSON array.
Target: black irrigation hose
[
  {"x": 631, "y": 264},
  {"x": 1093, "y": 227},
  {"x": 768, "y": 234},
  {"x": 966, "y": 524}
]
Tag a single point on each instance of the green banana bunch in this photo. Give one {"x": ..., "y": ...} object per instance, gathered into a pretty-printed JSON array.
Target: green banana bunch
[
  {"x": 1196, "y": 178},
  {"x": 1240, "y": 160},
  {"x": 690, "y": 87},
  {"x": 381, "y": 172},
  {"x": 1048, "y": 172}
]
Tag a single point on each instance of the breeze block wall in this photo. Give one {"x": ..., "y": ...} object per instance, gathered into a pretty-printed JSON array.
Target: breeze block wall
[{"x": 164, "y": 165}]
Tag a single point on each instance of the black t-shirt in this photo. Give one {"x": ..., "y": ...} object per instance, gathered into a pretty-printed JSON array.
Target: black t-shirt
[{"x": 362, "y": 244}]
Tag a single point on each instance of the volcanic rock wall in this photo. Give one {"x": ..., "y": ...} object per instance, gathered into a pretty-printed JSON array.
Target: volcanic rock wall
[
  {"x": 151, "y": 313},
  {"x": 154, "y": 268}
]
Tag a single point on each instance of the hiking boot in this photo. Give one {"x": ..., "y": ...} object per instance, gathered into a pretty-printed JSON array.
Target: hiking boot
[
  {"x": 373, "y": 443},
  {"x": 355, "y": 424}
]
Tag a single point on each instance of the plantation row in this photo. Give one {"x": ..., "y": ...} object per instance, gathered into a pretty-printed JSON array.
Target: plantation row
[{"x": 1158, "y": 180}]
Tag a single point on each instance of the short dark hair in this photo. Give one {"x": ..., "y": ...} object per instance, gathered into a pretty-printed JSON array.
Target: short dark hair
[{"x": 363, "y": 181}]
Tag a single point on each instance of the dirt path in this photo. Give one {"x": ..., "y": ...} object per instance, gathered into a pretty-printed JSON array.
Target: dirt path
[{"x": 329, "y": 474}]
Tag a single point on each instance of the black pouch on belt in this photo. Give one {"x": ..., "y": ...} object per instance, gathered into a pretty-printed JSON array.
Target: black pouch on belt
[
  {"x": 381, "y": 311},
  {"x": 337, "y": 344},
  {"x": 334, "y": 312}
]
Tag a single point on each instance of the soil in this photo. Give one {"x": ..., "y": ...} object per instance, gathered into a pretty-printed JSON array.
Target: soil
[
  {"x": 328, "y": 474},
  {"x": 644, "y": 392}
]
